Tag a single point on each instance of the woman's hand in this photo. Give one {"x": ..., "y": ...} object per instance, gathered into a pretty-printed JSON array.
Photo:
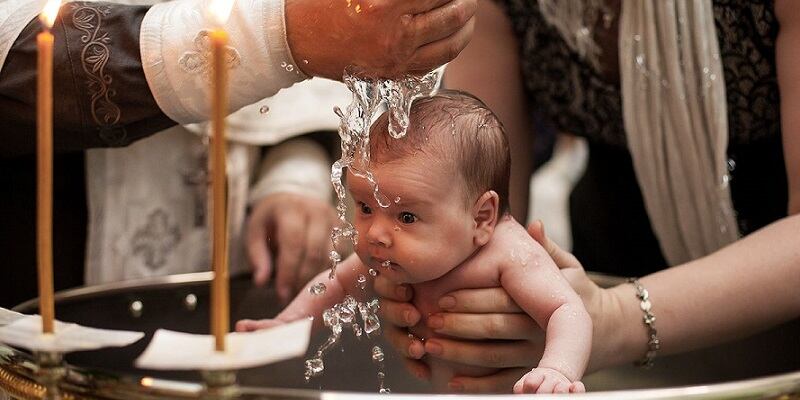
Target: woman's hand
[{"x": 515, "y": 342}]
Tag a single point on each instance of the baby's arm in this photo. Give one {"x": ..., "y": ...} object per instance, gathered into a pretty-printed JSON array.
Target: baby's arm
[
  {"x": 534, "y": 282},
  {"x": 306, "y": 304}
]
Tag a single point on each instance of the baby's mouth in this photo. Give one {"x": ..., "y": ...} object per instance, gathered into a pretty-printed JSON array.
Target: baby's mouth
[{"x": 386, "y": 264}]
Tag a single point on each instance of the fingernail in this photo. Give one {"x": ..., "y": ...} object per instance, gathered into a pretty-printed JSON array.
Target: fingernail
[
  {"x": 408, "y": 316},
  {"x": 433, "y": 347},
  {"x": 455, "y": 386},
  {"x": 415, "y": 354},
  {"x": 447, "y": 302},
  {"x": 401, "y": 292},
  {"x": 435, "y": 322}
]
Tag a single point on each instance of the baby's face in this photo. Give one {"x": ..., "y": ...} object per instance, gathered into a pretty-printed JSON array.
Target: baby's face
[{"x": 425, "y": 234}]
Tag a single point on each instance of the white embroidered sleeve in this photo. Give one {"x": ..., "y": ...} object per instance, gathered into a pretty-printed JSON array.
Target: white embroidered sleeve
[
  {"x": 175, "y": 55},
  {"x": 296, "y": 166}
]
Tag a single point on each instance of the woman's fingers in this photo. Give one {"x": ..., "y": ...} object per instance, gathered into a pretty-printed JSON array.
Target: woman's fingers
[
  {"x": 486, "y": 326},
  {"x": 489, "y": 300},
  {"x": 405, "y": 344},
  {"x": 503, "y": 354},
  {"x": 563, "y": 259},
  {"x": 392, "y": 291},
  {"x": 399, "y": 314}
]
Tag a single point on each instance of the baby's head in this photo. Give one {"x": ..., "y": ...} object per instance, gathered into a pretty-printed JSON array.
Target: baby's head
[{"x": 447, "y": 185}]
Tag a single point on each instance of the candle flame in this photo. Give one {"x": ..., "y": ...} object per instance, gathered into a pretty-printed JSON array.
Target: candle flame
[
  {"x": 50, "y": 12},
  {"x": 219, "y": 11}
]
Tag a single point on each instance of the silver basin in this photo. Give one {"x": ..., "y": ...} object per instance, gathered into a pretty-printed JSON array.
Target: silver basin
[{"x": 758, "y": 367}]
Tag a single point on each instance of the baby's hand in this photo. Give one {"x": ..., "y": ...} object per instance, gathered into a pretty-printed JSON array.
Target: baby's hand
[
  {"x": 249, "y": 325},
  {"x": 547, "y": 380}
]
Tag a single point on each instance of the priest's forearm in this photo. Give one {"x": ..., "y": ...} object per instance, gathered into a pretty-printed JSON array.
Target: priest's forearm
[{"x": 102, "y": 98}]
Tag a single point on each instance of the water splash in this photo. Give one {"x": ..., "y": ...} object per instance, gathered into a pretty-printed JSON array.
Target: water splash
[
  {"x": 339, "y": 317},
  {"x": 318, "y": 289},
  {"x": 377, "y": 358},
  {"x": 355, "y": 120}
]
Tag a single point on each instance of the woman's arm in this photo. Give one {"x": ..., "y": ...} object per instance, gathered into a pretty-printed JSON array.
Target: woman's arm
[
  {"x": 489, "y": 68},
  {"x": 788, "y": 64},
  {"x": 747, "y": 287}
]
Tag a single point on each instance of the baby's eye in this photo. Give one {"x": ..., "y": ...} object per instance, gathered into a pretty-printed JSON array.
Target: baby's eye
[
  {"x": 364, "y": 208},
  {"x": 407, "y": 217}
]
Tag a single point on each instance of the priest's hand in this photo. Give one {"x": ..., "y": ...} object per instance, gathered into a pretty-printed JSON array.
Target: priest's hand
[
  {"x": 383, "y": 37},
  {"x": 296, "y": 229}
]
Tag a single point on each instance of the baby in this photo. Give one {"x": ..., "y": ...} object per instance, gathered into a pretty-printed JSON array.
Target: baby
[{"x": 447, "y": 182}]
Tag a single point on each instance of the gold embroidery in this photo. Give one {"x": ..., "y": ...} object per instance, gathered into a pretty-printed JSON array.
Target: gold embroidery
[{"x": 95, "y": 54}]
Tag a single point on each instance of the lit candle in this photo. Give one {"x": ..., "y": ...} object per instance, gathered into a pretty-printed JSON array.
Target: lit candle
[
  {"x": 44, "y": 166},
  {"x": 219, "y": 10}
]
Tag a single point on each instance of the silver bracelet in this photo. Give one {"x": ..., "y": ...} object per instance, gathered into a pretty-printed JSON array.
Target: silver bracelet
[{"x": 653, "y": 344}]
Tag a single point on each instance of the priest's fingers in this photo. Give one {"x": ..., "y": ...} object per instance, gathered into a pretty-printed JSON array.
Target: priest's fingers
[
  {"x": 434, "y": 54},
  {"x": 317, "y": 247},
  {"x": 421, "y": 6},
  {"x": 291, "y": 250},
  {"x": 443, "y": 22},
  {"x": 258, "y": 250}
]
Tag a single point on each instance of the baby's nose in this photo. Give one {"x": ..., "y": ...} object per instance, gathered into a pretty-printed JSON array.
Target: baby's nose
[{"x": 380, "y": 234}]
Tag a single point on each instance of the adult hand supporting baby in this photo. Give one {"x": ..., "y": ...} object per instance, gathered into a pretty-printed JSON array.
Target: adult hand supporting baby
[
  {"x": 385, "y": 37},
  {"x": 515, "y": 342}
]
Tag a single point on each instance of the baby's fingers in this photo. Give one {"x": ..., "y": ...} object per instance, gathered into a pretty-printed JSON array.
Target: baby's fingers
[
  {"x": 529, "y": 383},
  {"x": 562, "y": 387},
  {"x": 577, "y": 387},
  {"x": 249, "y": 325},
  {"x": 548, "y": 385}
]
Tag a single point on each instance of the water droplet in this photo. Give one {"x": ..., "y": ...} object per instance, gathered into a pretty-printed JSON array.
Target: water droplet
[
  {"x": 377, "y": 354},
  {"x": 318, "y": 289},
  {"x": 385, "y": 391},
  {"x": 263, "y": 109},
  {"x": 731, "y": 165},
  {"x": 373, "y": 272},
  {"x": 314, "y": 367},
  {"x": 386, "y": 264},
  {"x": 362, "y": 282},
  {"x": 397, "y": 199},
  {"x": 396, "y": 228},
  {"x": 305, "y": 61}
]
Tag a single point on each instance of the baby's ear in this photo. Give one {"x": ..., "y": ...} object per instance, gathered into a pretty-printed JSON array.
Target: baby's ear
[{"x": 485, "y": 213}]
